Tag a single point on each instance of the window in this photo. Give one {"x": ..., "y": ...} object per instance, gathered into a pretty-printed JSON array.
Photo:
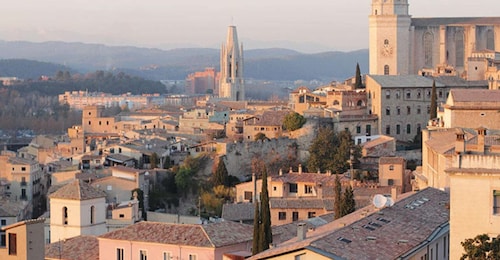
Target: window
[
  {"x": 12, "y": 244},
  {"x": 408, "y": 129},
  {"x": 192, "y": 257},
  {"x": 419, "y": 110},
  {"x": 23, "y": 169},
  {"x": 167, "y": 256},
  {"x": 398, "y": 110},
  {"x": 386, "y": 70},
  {"x": 65, "y": 215},
  {"x": 428, "y": 109},
  {"x": 387, "y": 111},
  {"x": 122, "y": 215},
  {"x": 398, "y": 94},
  {"x": 92, "y": 215},
  {"x": 440, "y": 94},
  {"x": 4, "y": 222},
  {"x": 248, "y": 195},
  {"x": 368, "y": 130},
  {"x": 119, "y": 254},
  {"x": 408, "y": 94},
  {"x": 408, "y": 110},
  {"x": 398, "y": 129},
  {"x": 391, "y": 167},
  {"x": 300, "y": 257},
  {"x": 496, "y": 202},
  {"x": 387, "y": 129},
  {"x": 308, "y": 189},
  {"x": 295, "y": 216},
  {"x": 282, "y": 215},
  {"x": 3, "y": 243},
  {"x": 143, "y": 255},
  {"x": 293, "y": 187},
  {"x": 311, "y": 214},
  {"x": 419, "y": 95},
  {"x": 336, "y": 103},
  {"x": 388, "y": 94},
  {"x": 358, "y": 129}
]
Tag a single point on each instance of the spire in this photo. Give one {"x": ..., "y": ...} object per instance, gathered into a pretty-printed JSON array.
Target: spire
[{"x": 231, "y": 77}]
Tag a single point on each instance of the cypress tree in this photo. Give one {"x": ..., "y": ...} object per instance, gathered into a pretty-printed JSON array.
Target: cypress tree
[
  {"x": 266, "y": 234},
  {"x": 433, "y": 108},
  {"x": 358, "y": 81},
  {"x": 221, "y": 175},
  {"x": 337, "y": 209},
  {"x": 256, "y": 229},
  {"x": 348, "y": 202}
]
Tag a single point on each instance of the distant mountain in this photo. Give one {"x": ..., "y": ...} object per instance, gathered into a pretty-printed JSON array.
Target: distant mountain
[
  {"x": 176, "y": 64},
  {"x": 29, "y": 69}
]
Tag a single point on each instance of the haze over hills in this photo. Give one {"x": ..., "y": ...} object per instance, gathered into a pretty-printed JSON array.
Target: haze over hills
[{"x": 176, "y": 64}]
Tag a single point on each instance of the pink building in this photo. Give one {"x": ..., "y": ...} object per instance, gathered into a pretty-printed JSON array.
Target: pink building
[{"x": 155, "y": 240}]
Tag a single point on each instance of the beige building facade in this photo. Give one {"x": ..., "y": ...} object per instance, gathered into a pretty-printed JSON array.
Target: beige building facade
[{"x": 402, "y": 45}]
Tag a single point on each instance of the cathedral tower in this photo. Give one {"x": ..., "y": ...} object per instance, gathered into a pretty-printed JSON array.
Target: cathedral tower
[
  {"x": 390, "y": 25},
  {"x": 232, "y": 84}
]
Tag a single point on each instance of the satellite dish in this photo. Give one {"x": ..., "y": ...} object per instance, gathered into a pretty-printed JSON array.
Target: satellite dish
[
  {"x": 379, "y": 201},
  {"x": 389, "y": 202}
]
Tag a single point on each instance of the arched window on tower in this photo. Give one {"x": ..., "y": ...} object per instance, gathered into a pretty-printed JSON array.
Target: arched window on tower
[
  {"x": 459, "y": 48},
  {"x": 428, "y": 40},
  {"x": 386, "y": 42},
  {"x": 386, "y": 70},
  {"x": 65, "y": 215},
  {"x": 490, "y": 40}
]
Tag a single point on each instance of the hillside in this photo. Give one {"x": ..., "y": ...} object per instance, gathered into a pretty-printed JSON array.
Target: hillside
[{"x": 156, "y": 64}]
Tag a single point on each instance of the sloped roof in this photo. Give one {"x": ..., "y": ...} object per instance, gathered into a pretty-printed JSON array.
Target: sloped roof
[
  {"x": 75, "y": 248},
  {"x": 391, "y": 160},
  {"x": 211, "y": 235},
  {"x": 413, "y": 220},
  {"x": 404, "y": 81},
  {"x": 238, "y": 211},
  {"x": 476, "y": 95},
  {"x": 454, "y": 21},
  {"x": 78, "y": 190}
]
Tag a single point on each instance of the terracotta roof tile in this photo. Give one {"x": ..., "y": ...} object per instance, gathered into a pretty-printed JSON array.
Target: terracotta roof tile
[
  {"x": 75, "y": 248},
  {"x": 78, "y": 190},
  {"x": 210, "y": 235},
  {"x": 238, "y": 211}
]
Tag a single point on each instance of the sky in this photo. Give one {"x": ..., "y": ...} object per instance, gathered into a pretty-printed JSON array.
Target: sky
[{"x": 307, "y": 26}]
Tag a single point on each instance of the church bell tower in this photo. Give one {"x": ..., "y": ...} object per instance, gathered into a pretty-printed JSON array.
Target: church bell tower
[
  {"x": 389, "y": 33},
  {"x": 232, "y": 84}
]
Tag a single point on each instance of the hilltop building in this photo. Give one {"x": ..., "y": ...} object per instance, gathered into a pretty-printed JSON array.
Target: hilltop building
[
  {"x": 232, "y": 85},
  {"x": 402, "y": 45}
]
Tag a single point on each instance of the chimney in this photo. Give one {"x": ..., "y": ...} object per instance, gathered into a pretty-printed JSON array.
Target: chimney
[
  {"x": 281, "y": 172},
  {"x": 300, "y": 168},
  {"x": 481, "y": 133},
  {"x": 394, "y": 193},
  {"x": 291, "y": 170},
  {"x": 460, "y": 141},
  {"x": 254, "y": 181},
  {"x": 301, "y": 231}
]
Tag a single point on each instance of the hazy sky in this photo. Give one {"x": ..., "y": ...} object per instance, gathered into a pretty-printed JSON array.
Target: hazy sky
[{"x": 314, "y": 25}]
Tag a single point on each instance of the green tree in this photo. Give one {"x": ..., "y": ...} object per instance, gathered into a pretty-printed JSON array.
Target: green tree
[
  {"x": 183, "y": 179},
  {"x": 256, "y": 229},
  {"x": 293, "y": 121},
  {"x": 321, "y": 150},
  {"x": 260, "y": 136},
  {"x": 481, "y": 247},
  {"x": 358, "y": 80},
  {"x": 330, "y": 151},
  {"x": 140, "y": 197},
  {"x": 221, "y": 176},
  {"x": 348, "y": 202},
  {"x": 433, "y": 108},
  {"x": 337, "y": 196},
  {"x": 266, "y": 234},
  {"x": 166, "y": 163},
  {"x": 154, "y": 161}
]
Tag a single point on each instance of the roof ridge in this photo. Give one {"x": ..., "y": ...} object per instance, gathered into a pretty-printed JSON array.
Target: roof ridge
[{"x": 206, "y": 234}]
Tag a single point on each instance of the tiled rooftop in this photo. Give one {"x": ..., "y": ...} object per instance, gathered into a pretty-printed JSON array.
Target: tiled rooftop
[
  {"x": 75, "y": 248},
  {"x": 476, "y": 95},
  {"x": 305, "y": 177},
  {"x": 454, "y": 20},
  {"x": 210, "y": 235},
  {"x": 412, "y": 219},
  {"x": 404, "y": 81},
  {"x": 238, "y": 211},
  {"x": 391, "y": 160},
  {"x": 78, "y": 190}
]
